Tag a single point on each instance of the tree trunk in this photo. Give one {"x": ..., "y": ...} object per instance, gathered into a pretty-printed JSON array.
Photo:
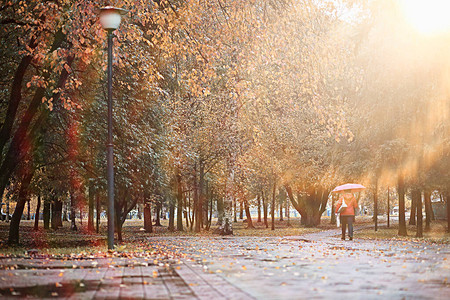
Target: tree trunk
[
  {"x": 235, "y": 209},
  {"x": 282, "y": 197},
  {"x": 36, "y": 216},
  {"x": 7, "y": 211},
  {"x": 15, "y": 96},
  {"x": 139, "y": 212},
  {"x": 288, "y": 213},
  {"x": 201, "y": 197},
  {"x": 192, "y": 215},
  {"x": 412, "y": 216},
  {"x": 148, "y": 226},
  {"x": 124, "y": 204},
  {"x": 220, "y": 211},
  {"x": 375, "y": 204},
  {"x": 259, "y": 209},
  {"x": 227, "y": 226},
  {"x": 196, "y": 217},
  {"x": 73, "y": 217},
  {"x": 248, "y": 215},
  {"x": 17, "y": 215},
  {"x": 205, "y": 205},
  {"x": 28, "y": 210},
  {"x": 388, "y": 208},
  {"x": 46, "y": 214},
  {"x": 117, "y": 222},
  {"x": 56, "y": 214},
  {"x": 428, "y": 210},
  {"x": 65, "y": 215},
  {"x": 179, "y": 202},
  {"x": 273, "y": 205},
  {"x": 265, "y": 208},
  {"x": 298, "y": 205},
  {"x": 310, "y": 205},
  {"x": 210, "y": 212},
  {"x": 323, "y": 202},
  {"x": 91, "y": 208},
  {"x": 416, "y": 193},
  {"x": 158, "y": 212},
  {"x": 15, "y": 152},
  {"x": 401, "y": 206},
  {"x": 241, "y": 210},
  {"x": 171, "y": 215},
  {"x": 447, "y": 199},
  {"x": 281, "y": 211},
  {"x": 333, "y": 204},
  {"x": 97, "y": 219}
]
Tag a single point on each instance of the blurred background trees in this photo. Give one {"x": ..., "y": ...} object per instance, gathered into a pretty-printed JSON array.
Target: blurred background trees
[{"x": 218, "y": 104}]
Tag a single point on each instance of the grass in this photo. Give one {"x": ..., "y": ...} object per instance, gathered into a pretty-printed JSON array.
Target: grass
[
  {"x": 437, "y": 233},
  {"x": 65, "y": 242}
]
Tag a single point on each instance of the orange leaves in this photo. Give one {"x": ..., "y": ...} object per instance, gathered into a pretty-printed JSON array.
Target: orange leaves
[{"x": 67, "y": 68}]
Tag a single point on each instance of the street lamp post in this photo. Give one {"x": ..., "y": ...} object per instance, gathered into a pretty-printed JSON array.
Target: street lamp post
[{"x": 110, "y": 18}]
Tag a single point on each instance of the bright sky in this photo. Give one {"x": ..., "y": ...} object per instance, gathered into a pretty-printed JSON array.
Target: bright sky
[{"x": 428, "y": 16}]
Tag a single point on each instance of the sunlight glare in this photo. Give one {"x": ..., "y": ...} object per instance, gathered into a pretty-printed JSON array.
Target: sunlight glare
[{"x": 427, "y": 16}]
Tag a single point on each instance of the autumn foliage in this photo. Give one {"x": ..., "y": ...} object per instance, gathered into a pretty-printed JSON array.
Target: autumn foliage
[{"x": 216, "y": 103}]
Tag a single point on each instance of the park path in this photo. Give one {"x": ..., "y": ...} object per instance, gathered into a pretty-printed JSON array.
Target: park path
[{"x": 317, "y": 265}]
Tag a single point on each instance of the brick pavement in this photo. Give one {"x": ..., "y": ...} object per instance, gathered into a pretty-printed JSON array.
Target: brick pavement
[{"x": 111, "y": 278}]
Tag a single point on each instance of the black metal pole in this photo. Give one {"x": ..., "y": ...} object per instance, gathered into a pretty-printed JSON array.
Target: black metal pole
[{"x": 109, "y": 148}]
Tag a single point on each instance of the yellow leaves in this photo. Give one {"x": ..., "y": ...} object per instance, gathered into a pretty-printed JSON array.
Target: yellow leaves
[
  {"x": 67, "y": 68},
  {"x": 55, "y": 55},
  {"x": 120, "y": 248}
]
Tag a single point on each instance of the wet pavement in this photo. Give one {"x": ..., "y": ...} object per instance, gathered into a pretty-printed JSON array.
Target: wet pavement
[{"x": 318, "y": 265}]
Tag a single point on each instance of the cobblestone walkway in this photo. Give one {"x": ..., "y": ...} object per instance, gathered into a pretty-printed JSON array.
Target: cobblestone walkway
[{"x": 317, "y": 266}]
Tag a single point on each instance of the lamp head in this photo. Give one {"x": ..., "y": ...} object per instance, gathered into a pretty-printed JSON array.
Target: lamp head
[{"x": 110, "y": 17}]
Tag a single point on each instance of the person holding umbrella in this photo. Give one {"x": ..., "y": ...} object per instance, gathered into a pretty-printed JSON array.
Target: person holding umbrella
[{"x": 346, "y": 206}]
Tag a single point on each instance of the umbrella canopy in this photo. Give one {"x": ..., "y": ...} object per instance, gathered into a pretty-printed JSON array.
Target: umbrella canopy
[{"x": 349, "y": 186}]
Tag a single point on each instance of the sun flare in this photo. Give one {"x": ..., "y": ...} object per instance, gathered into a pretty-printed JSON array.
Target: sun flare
[{"x": 427, "y": 16}]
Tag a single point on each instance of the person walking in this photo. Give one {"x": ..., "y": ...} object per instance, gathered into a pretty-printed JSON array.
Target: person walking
[{"x": 347, "y": 213}]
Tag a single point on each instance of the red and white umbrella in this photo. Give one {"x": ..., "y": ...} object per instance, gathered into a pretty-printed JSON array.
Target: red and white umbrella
[{"x": 355, "y": 187}]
